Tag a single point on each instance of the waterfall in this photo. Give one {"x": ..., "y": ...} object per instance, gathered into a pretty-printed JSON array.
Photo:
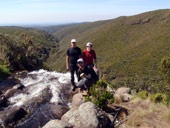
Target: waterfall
[{"x": 37, "y": 81}]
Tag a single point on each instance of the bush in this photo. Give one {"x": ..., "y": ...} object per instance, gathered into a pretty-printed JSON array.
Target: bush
[
  {"x": 99, "y": 95},
  {"x": 161, "y": 98},
  {"x": 4, "y": 72},
  {"x": 143, "y": 94},
  {"x": 165, "y": 66},
  {"x": 22, "y": 52}
]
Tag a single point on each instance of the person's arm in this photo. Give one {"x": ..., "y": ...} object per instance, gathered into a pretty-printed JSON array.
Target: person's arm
[
  {"x": 67, "y": 62},
  {"x": 95, "y": 60},
  {"x": 80, "y": 54}
]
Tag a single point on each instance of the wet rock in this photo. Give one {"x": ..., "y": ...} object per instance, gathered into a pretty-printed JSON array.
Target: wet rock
[
  {"x": 87, "y": 115},
  {"x": 12, "y": 115},
  {"x": 19, "y": 86},
  {"x": 57, "y": 124},
  {"x": 42, "y": 114},
  {"x": 10, "y": 92},
  {"x": 78, "y": 99},
  {"x": 3, "y": 102}
]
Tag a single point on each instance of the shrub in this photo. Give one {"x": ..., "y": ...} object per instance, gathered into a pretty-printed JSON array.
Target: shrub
[
  {"x": 161, "y": 98},
  {"x": 143, "y": 94},
  {"x": 4, "y": 72},
  {"x": 99, "y": 95},
  {"x": 22, "y": 52}
]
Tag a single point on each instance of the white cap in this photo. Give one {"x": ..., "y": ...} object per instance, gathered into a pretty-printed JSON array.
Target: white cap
[
  {"x": 80, "y": 60},
  {"x": 89, "y": 44},
  {"x": 73, "y": 40}
]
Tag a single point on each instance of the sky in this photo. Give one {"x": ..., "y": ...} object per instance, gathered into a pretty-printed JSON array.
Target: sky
[{"x": 15, "y": 12}]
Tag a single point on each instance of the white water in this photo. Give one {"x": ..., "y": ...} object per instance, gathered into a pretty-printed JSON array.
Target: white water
[{"x": 37, "y": 81}]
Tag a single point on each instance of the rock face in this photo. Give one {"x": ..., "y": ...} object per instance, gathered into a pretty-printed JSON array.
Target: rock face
[
  {"x": 57, "y": 124},
  {"x": 42, "y": 115},
  {"x": 123, "y": 94},
  {"x": 87, "y": 115},
  {"x": 78, "y": 99}
]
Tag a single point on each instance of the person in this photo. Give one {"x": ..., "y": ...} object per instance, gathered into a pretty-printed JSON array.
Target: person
[
  {"x": 73, "y": 54},
  {"x": 86, "y": 76},
  {"x": 89, "y": 56}
]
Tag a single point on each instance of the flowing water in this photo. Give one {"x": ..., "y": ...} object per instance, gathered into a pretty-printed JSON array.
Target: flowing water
[{"x": 43, "y": 92}]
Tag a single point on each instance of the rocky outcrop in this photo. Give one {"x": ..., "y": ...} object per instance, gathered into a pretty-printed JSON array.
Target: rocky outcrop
[
  {"x": 87, "y": 115},
  {"x": 57, "y": 124}
]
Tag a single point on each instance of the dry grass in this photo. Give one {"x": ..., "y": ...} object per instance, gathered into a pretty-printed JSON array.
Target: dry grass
[{"x": 147, "y": 114}]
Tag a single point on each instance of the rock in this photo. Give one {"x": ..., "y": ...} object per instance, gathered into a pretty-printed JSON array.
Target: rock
[
  {"x": 57, "y": 124},
  {"x": 109, "y": 89},
  {"x": 10, "y": 92},
  {"x": 78, "y": 99},
  {"x": 122, "y": 90},
  {"x": 19, "y": 86},
  {"x": 43, "y": 114},
  {"x": 126, "y": 97},
  {"x": 122, "y": 94},
  {"x": 87, "y": 115},
  {"x": 12, "y": 115},
  {"x": 72, "y": 117},
  {"x": 3, "y": 101}
]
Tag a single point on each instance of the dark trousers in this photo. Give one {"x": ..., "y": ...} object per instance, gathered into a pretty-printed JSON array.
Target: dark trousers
[
  {"x": 73, "y": 69},
  {"x": 85, "y": 83}
]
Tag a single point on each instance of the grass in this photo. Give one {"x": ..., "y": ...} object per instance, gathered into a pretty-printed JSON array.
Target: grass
[
  {"x": 145, "y": 113},
  {"x": 129, "y": 51}
]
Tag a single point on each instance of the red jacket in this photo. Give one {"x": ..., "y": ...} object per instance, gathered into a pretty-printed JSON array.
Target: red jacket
[{"x": 88, "y": 56}]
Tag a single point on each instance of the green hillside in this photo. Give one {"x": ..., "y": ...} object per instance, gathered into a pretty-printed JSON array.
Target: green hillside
[
  {"x": 23, "y": 49},
  {"x": 129, "y": 49},
  {"x": 54, "y": 28},
  {"x": 45, "y": 39}
]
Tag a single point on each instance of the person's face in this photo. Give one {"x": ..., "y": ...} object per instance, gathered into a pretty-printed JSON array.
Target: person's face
[
  {"x": 73, "y": 44},
  {"x": 80, "y": 64},
  {"x": 89, "y": 48}
]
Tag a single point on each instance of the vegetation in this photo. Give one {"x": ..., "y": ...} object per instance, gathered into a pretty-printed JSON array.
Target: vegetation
[
  {"x": 22, "y": 49},
  {"x": 161, "y": 98},
  {"x": 143, "y": 94},
  {"x": 99, "y": 95},
  {"x": 129, "y": 49},
  {"x": 4, "y": 72}
]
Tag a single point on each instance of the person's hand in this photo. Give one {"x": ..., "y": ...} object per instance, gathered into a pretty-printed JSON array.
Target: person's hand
[
  {"x": 81, "y": 75},
  {"x": 95, "y": 67},
  {"x": 67, "y": 68}
]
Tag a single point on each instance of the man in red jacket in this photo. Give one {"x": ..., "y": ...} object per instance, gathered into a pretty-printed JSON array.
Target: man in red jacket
[{"x": 89, "y": 56}]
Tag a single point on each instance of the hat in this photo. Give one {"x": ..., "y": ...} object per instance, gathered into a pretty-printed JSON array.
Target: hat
[
  {"x": 73, "y": 40},
  {"x": 89, "y": 44},
  {"x": 80, "y": 60}
]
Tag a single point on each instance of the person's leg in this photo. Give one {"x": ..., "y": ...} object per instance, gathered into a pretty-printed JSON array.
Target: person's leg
[
  {"x": 81, "y": 84},
  {"x": 76, "y": 70},
  {"x": 72, "y": 75}
]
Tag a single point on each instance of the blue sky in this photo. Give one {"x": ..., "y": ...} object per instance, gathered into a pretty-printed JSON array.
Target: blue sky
[{"x": 68, "y": 11}]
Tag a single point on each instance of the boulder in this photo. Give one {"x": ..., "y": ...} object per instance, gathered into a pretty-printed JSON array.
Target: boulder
[
  {"x": 122, "y": 90},
  {"x": 57, "y": 124},
  {"x": 78, "y": 99},
  {"x": 87, "y": 115},
  {"x": 122, "y": 94}
]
